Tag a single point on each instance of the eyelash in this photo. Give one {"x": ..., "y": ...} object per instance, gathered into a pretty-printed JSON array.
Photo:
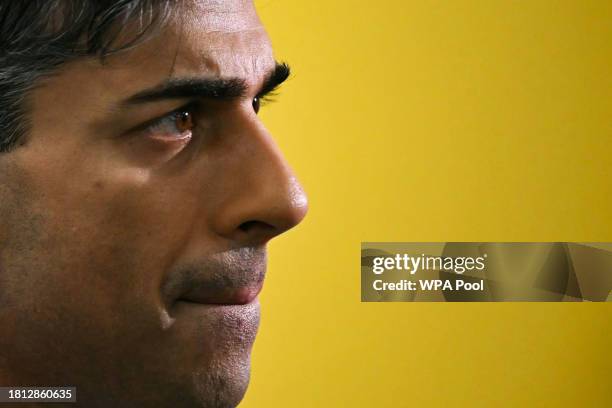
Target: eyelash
[
  {"x": 190, "y": 109},
  {"x": 264, "y": 100}
]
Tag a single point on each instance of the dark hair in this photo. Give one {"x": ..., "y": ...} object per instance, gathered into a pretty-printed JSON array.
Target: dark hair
[{"x": 37, "y": 36}]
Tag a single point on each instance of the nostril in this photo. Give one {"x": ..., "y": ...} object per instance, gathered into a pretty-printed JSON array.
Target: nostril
[
  {"x": 251, "y": 226},
  {"x": 247, "y": 226}
]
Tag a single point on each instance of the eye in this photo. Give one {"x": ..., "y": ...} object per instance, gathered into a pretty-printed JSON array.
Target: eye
[
  {"x": 256, "y": 104},
  {"x": 177, "y": 125}
]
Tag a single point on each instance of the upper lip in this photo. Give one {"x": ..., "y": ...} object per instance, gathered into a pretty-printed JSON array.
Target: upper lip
[{"x": 231, "y": 278}]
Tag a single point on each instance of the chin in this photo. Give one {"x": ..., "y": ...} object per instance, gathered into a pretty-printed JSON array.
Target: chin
[
  {"x": 220, "y": 368},
  {"x": 223, "y": 388},
  {"x": 205, "y": 358}
]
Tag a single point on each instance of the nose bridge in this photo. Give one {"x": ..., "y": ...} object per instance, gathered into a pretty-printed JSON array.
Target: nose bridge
[{"x": 265, "y": 198}]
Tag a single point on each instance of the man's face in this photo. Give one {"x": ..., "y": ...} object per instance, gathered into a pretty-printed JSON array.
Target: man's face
[{"x": 133, "y": 228}]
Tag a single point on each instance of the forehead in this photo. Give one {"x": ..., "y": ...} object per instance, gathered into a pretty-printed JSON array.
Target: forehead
[
  {"x": 221, "y": 38},
  {"x": 202, "y": 39}
]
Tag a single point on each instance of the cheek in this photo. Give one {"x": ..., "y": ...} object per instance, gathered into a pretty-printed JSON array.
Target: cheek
[
  {"x": 108, "y": 236},
  {"x": 87, "y": 261},
  {"x": 146, "y": 152},
  {"x": 105, "y": 229}
]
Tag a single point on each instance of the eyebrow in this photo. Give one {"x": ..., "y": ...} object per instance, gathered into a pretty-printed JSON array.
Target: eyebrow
[{"x": 209, "y": 88}]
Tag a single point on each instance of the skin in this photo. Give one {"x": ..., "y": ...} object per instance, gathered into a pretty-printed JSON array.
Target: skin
[{"x": 117, "y": 246}]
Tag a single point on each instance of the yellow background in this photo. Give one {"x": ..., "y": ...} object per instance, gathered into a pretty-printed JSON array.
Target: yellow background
[{"x": 436, "y": 121}]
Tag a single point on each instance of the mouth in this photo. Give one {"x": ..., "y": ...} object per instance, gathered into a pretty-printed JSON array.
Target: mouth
[
  {"x": 207, "y": 295},
  {"x": 229, "y": 278}
]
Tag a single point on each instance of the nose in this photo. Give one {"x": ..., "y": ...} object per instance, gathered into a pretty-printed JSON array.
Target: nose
[{"x": 262, "y": 197}]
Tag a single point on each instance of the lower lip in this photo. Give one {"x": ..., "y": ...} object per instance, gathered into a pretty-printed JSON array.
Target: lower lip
[
  {"x": 244, "y": 317},
  {"x": 221, "y": 326}
]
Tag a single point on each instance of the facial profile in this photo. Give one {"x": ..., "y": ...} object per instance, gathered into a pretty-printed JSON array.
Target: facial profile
[{"x": 138, "y": 191}]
